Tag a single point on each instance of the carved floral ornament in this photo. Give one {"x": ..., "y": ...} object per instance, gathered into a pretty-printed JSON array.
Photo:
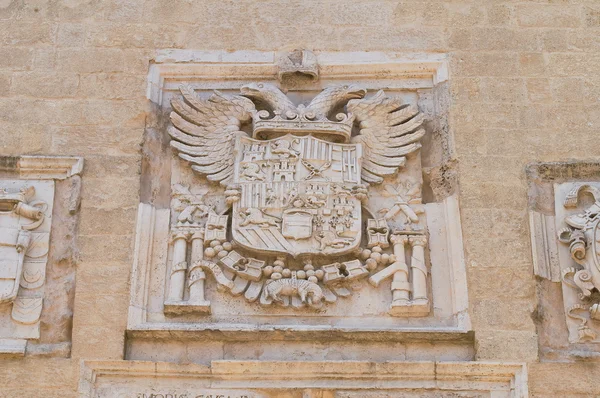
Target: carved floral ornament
[{"x": 298, "y": 228}]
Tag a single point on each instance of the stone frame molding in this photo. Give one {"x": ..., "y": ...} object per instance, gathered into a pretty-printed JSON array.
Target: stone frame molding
[
  {"x": 561, "y": 335},
  {"x": 209, "y": 70},
  {"x": 318, "y": 379},
  {"x": 202, "y": 69}
]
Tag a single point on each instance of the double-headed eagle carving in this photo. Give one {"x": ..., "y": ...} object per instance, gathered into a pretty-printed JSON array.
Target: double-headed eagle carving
[{"x": 204, "y": 131}]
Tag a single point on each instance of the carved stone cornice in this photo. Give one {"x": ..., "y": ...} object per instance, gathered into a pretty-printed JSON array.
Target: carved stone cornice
[
  {"x": 238, "y": 67},
  {"x": 395, "y": 377},
  {"x": 31, "y": 167}
]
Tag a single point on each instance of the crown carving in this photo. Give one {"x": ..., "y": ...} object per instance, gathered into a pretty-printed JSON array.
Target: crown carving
[
  {"x": 325, "y": 117},
  {"x": 302, "y": 121}
]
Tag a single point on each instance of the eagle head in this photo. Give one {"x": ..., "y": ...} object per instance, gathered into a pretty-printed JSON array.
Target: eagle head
[
  {"x": 351, "y": 91},
  {"x": 262, "y": 91},
  {"x": 253, "y": 90},
  {"x": 269, "y": 94},
  {"x": 333, "y": 97}
]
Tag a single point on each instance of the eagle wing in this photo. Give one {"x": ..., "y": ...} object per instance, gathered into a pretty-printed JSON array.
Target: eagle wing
[
  {"x": 203, "y": 131},
  {"x": 389, "y": 130}
]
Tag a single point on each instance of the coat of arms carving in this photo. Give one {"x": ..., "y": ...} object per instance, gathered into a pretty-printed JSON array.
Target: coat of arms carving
[
  {"x": 23, "y": 249},
  {"x": 293, "y": 223},
  {"x": 580, "y": 234}
]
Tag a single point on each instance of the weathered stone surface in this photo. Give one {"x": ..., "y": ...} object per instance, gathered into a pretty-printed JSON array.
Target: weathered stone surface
[
  {"x": 264, "y": 379},
  {"x": 109, "y": 45}
]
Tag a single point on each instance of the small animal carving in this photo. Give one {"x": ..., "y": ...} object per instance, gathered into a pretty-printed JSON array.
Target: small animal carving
[
  {"x": 309, "y": 292},
  {"x": 330, "y": 239},
  {"x": 341, "y": 190},
  {"x": 257, "y": 217},
  {"x": 283, "y": 149},
  {"x": 252, "y": 172},
  {"x": 313, "y": 201}
]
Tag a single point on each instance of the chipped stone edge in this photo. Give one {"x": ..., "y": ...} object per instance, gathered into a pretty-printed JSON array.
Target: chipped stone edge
[
  {"x": 508, "y": 379},
  {"x": 543, "y": 246},
  {"x": 31, "y": 167},
  {"x": 456, "y": 259},
  {"x": 12, "y": 348},
  {"x": 426, "y": 70}
]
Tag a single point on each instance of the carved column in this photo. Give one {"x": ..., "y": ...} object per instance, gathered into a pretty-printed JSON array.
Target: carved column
[
  {"x": 197, "y": 275},
  {"x": 419, "y": 269},
  {"x": 179, "y": 268},
  {"x": 400, "y": 283}
]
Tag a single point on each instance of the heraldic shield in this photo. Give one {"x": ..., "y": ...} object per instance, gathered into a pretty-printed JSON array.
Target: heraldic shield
[
  {"x": 17, "y": 219},
  {"x": 297, "y": 195}
]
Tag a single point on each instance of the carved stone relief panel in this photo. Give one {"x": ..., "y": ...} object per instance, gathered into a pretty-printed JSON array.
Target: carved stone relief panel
[
  {"x": 27, "y": 208},
  {"x": 25, "y": 220},
  {"x": 297, "y": 201},
  {"x": 296, "y": 189},
  {"x": 578, "y": 231},
  {"x": 564, "y": 202}
]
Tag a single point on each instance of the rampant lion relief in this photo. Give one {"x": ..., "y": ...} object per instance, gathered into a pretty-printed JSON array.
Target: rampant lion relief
[{"x": 314, "y": 199}]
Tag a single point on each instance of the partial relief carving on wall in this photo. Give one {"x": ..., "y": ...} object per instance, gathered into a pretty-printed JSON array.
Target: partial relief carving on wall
[
  {"x": 578, "y": 223},
  {"x": 27, "y": 205},
  {"x": 298, "y": 193},
  {"x": 24, "y": 246}
]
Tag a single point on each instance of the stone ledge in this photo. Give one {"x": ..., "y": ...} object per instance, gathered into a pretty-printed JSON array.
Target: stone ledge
[
  {"x": 234, "y": 332},
  {"x": 259, "y": 379},
  {"x": 410, "y": 71}
]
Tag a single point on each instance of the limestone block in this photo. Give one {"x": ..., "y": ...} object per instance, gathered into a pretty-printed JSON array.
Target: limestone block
[{"x": 507, "y": 345}]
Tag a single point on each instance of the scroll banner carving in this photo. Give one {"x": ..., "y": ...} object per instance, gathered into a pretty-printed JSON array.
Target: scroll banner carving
[{"x": 298, "y": 229}]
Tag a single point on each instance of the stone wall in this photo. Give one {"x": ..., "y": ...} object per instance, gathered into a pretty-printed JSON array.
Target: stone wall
[{"x": 524, "y": 87}]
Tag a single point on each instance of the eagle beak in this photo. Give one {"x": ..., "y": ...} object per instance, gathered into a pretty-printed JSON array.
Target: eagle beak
[
  {"x": 248, "y": 91},
  {"x": 358, "y": 93}
]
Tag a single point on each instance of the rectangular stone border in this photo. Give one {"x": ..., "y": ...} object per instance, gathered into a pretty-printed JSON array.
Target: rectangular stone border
[
  {"x": 499, "y": 379},
  {"x": 391, "y": 70},
  {"x": 218, "y": 69},
  {"x": 33, "y": 167}
]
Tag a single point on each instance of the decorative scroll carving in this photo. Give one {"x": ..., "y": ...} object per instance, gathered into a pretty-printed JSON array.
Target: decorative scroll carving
[
  {"x": 290, "y": 222},
  {"x": 582, "y": 238}
]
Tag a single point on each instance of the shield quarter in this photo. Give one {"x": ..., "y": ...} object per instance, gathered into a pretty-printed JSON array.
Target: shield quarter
[{"x": 296, "y": 195}]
